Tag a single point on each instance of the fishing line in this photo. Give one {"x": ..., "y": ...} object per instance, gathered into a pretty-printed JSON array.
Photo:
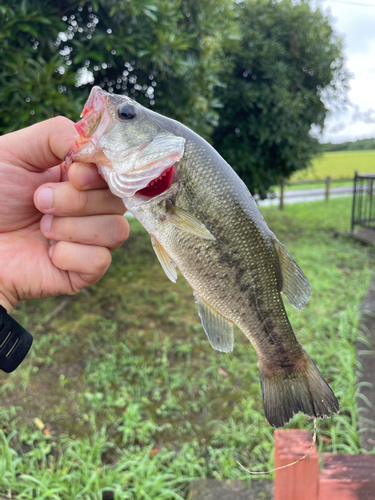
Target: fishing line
[{"x": 288, "y": 465}]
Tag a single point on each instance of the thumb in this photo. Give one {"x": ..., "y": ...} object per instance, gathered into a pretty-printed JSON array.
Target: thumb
[{"x": 40, "y": 146}]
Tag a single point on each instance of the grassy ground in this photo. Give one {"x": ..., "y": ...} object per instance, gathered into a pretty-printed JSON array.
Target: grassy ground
[
  {"x": 338, "y": 164},
  {"x": 133, "y": 398}
]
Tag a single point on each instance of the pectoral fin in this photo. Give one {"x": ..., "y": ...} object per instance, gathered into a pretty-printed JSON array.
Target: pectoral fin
[
  {"x": 187, "y": 222},
  {"x": 166, "y": 262},
  {"x": 218, "y": 329},
  {"x": 295, "y": 285}
]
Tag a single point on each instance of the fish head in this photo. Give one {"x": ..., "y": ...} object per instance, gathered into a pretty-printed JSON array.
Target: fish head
[{"x": 134, "y": 152}]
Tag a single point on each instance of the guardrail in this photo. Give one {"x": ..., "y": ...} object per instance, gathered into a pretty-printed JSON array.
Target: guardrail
[{"x": 327, "y": 190}]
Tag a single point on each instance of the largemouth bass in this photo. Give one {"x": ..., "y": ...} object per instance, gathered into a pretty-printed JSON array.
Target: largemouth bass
[{"x": 203, "y": 220}]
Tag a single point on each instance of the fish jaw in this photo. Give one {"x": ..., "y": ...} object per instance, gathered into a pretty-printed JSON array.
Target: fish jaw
[
  {"x": 94, "y": 123},
  {"x": 131, "y": 164},
  {"x": 149, "y": 181}
]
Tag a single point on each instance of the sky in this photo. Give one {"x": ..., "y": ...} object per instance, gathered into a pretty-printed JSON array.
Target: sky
[{"x": 355, "y": 21}]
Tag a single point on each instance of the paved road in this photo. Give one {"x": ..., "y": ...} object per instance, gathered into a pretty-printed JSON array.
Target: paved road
[{"x": 298, "y": 195}]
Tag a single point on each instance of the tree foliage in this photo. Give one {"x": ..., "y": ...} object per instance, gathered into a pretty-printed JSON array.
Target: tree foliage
[
  {"x": 31, "y": 87},
  {"x": 288, "y": 63},
  {"x": 249, "y": 76},
  {"x": 165, "y": 54}
]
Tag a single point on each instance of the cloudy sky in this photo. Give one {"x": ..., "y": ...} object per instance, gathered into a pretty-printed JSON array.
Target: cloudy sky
[{"x": 355, "y": 21}]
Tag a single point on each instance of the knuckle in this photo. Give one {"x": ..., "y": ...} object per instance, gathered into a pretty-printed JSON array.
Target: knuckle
[
  {"x": 83, "y": 201},
  {"x": 102, "y": 261},
  {"x": 120, "y": 231}
]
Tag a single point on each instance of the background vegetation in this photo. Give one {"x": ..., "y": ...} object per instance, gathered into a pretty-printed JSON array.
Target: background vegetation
[
  {"x": 121, "y": 392},
  {"x": 250, "y": 76},
  {"x": 351, "y": 145},
  {"x": 338, "y": 164},
  {"x": 133, "y": 400}
]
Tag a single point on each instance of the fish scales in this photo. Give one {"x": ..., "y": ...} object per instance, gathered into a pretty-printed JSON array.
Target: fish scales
[
  {"x": 227, "y": 263},
  {"x": 203, "y": 220}
]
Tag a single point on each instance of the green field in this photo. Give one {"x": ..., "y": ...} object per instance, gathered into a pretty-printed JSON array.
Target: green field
[
  {"x": 134, "y": 399},
  {"x": 337, "y": 165}
]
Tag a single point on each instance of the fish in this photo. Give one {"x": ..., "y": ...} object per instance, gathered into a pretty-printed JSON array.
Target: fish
[{"x": 203, "y": 220}]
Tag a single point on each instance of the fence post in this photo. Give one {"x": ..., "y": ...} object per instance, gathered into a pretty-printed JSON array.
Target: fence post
[
  {"x": 281, "y": 206},
  {"x": 328, "y": 184},
  {"x": 354, "y": 198},
  {"x": 369, "y": 187}
]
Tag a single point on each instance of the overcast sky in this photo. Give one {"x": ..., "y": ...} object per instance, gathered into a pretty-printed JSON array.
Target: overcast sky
[{"x": 355, "y": 21}]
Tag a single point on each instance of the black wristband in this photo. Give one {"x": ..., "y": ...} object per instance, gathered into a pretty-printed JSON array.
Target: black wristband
[{"x": 15, "y": 342}]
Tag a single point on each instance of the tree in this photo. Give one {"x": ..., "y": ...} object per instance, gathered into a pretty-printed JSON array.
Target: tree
[
  {"x": 31, "y": 86},
  {"x": 270, "y": 65},
  {"x": 166, "y": 54},
  {"x": 288, "y": 63}
]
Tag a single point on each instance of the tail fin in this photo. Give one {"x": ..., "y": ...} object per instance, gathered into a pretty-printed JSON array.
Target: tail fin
[{"x": 297, "y": 391}]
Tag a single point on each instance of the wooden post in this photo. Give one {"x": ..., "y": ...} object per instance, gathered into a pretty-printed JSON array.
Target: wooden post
[
  {"x": 328, "y": 184},
  {"x": 281, "y": 206},
  {"x": 300, "y": 481}
]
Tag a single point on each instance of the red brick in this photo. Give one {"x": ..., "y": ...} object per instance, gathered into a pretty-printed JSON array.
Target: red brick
[
  {"x": 347, "y": 477},
  {"x": 298, "y": 482}
]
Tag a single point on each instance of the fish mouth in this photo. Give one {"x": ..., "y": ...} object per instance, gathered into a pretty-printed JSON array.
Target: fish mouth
[
  {"x": 159, "y": 185},
  {"x": 95, "y": 119}
]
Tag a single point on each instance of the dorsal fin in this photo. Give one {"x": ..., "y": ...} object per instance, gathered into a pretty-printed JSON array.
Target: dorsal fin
[
  {"x": 295, "y": 285},
  {"x": 218, "y": 329}
]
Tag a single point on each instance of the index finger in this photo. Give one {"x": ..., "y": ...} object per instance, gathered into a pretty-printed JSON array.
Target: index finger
[
  {"x": 41, "y": 146},
  {"x": 85, "y": 176}
]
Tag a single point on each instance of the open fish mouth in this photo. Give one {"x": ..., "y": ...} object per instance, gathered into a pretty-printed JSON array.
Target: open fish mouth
[
  {"x": 131, "y": 165},
  {"x": 159, "y": 185}
]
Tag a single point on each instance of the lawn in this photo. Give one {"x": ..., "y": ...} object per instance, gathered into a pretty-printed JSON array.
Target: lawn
[
  {"x": 338, "y": 164},
  {"x": 132, "y": 399}
]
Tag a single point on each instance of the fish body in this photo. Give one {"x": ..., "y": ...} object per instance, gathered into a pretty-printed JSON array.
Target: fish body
[{"x": 203, "y": 220}]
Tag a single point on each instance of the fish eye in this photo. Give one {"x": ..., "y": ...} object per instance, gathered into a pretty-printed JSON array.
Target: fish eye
[{"x": 126, "y": 112}]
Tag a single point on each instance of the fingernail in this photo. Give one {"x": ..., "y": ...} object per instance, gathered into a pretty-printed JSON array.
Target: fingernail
[
  {"x": 50, "y": 251},
  {"x": 46, "y": 223},
  {"x": 85, "y": 176},
  {"x": 45, "y": 199}
]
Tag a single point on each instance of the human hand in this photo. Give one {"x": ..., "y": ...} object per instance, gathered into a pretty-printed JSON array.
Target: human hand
[{"x": 68, "y": 248}]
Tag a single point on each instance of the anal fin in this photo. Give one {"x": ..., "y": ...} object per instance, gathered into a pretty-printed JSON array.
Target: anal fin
[
  {"x": 186, "y": 222},
  {"x": 218, "y": 329},
  {"x": 165, "y": 260},
  {"x": 295, "y": 285}
]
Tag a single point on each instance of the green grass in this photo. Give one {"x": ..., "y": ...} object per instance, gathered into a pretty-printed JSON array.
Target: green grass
[
  {"x": 136, "y": 401},
  {"x": 338, "y": 164}
]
